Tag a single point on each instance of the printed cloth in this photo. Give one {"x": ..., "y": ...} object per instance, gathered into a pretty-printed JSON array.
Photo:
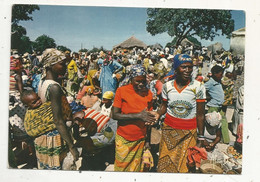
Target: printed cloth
[
  {"x": 50, "y": 57},
  {"x": 50, "y": 150},
  {"x": 228, "y": 87},
  {"x": 173, "y": 150},
  {"x": 100, "y": 118},
  {"x": 195, "y": 154},
  {"x": 182, "y": 103},
  {"x": 50, "y": 147},
  {"x": 180, "y": 59},
  {"x": 128, "y": 154},
  {"x": 39, "y": 121}
]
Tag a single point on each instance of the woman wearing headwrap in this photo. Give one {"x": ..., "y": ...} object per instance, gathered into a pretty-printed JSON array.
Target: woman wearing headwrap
[
  {"x": 183, "y": 103},
  {"x": 107, "y": 78},
  {"x": 51, "y": 147},
  {"x": 131, "y": 107}
]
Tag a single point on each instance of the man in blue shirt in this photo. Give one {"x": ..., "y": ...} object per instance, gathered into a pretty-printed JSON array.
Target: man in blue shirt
[{"x": 216, "y": 98}]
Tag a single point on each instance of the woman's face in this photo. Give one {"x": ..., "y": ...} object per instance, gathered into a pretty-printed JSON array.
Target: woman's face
[
  {"x": 139, "y": 83},
  {"x": 60, "y": 67},
  {"x": 184, "y": 71}
]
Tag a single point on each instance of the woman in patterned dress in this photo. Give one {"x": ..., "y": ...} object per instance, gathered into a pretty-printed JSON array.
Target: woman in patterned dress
[
  {"x": 131, "y": 105},
  {"x": 51, "y": 147},
  {"x": 184, "y": 105}
]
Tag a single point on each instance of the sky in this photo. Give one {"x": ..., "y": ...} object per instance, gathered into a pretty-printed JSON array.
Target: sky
[{"x": 77, "y": 27}]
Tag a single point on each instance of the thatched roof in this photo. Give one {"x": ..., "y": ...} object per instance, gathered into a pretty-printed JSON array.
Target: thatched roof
[{"x": 130, "y": 43}]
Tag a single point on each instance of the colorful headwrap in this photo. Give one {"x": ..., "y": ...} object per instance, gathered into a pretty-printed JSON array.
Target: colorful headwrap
[
  {"x": 137, "y": 70},
  {"x": 15, "y": 64},
  {"x": 180, "y": 59},
  {"x": 50, "y": 57}
]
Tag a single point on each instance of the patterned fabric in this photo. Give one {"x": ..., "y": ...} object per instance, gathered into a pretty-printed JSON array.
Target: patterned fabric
[
  {"x": 13, "y": 85},
  {"x": 180, "y": 59},
  {"x": 15, "y": 64},
  {"x": 137, "y": 70},
  {"x": 173, "y": 150},
  {"x": 39, "y": 121},
  {"x": 182, "y": 103},
  {"x": 50, "y": 147},
  {"x": 16, "y": 115},
  {"x": 228, "y": 87},
  {"x": 128, "y": 154},
  {"x": 50, "y": 57},
  {"x": 50, "y": 150},
  {"x": 100, "y": 118}
]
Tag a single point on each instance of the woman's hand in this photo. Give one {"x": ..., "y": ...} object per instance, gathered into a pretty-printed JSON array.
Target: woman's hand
[{"x": 147, "y": 117}]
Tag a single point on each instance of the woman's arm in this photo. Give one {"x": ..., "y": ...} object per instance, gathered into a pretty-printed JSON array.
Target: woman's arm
[
  {"x": 55, "y": 97},
  {"x": 144, "y": 115},
  {"x": 19, "y": 82},
  {"x": 218, "y": 137}
]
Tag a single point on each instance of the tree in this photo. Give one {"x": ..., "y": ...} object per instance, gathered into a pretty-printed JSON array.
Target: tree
[
  {"x": 183, "y": 23},
  {"x": 23, "y": 12},
  {"x": 43, "y": 42},
  {"x": 26, "y": 45},
  {"x": 191, "y": 39},
  {"x": 20, "y": 13},
  {"x": 63, "y": 48}
]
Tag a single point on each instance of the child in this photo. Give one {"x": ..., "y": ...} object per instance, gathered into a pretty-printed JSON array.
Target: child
[
  {"x": 31, "y": 99},
  {"x": 38, "y": 118},
  {"x": 107, "y": 102}
]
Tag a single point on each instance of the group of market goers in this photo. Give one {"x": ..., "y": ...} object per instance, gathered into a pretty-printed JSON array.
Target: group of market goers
[{"x": 111, "y": 101}]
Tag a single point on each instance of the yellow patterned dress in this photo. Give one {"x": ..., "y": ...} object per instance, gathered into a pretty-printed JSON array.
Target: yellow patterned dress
[{"x": 50, "y": 147}]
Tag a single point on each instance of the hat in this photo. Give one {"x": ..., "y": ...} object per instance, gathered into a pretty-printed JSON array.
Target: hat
[
  {"x": 108, "y": 95},
  {"x": 213, "y": 118},
  {"x": 180, "y": 59}
]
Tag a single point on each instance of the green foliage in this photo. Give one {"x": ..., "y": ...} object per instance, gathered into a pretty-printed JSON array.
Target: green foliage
[
  {"x": 184, "y": 23},
  {"x": 23, "y": 12},
  {"x": 43, "y": 42},
  {"x": 26, "y": 45},
  {"x": 17, "y": 32},
  {"x": 63, "y": 48},
  {"x": 194, "y": 41},
  {"x": 18, "y": 38}
]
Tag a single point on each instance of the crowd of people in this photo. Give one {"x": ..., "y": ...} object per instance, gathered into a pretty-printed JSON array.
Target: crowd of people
[{"x": 103, "y": 107}]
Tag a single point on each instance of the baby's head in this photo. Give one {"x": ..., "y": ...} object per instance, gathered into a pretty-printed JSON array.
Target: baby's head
[{"x": 31, "y": 99}]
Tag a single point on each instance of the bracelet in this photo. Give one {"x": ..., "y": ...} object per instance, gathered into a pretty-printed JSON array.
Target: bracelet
[{"x": 201, "y": 139}]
